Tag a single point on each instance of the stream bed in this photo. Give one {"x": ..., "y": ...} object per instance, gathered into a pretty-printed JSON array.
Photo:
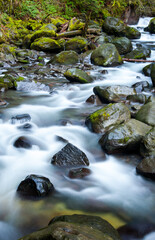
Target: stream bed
[{"x": 113, "y": 190}]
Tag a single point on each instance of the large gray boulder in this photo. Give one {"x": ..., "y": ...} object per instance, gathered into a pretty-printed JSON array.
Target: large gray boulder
[
  {"x": 147, "y": 147},
  {"x": 77, "y": 75},
  {"x": 146, "y": 167},
  {"x": 125, "y": 137},
  {"x": 106, "y": 55},
  {"x": 114, "y": 93},
  {"x": 147, "y": 114},
  {"x": 75, "y": 227},
  {"x": 70, "y": 156},
  {"x": 123, "y": 44},
  {"x": 151, "y": 26},
  {"x": 107, "y": 117},
  {"x": 114, "y": 26}
]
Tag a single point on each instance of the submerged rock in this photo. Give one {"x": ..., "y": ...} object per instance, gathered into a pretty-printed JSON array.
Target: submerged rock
[
  {"x": 79, "y": 173},
  {"x": 22, "y": 142},
  {"x": 122, "y": 44},
  {"x": 65, "y": 58},
  {"x": 76, "y": 227},
  {"x": 114, "y": 93},
  {"x": 77, "y": 75},
  {"x": 147, "y": 147},
  {"x": 125, "y": 137},
  {"x": 106, "y": 55},
  {"x": 140, "y": 86},
  {"x": 147, "y": 114},
  {"x": 107, "y": 117},
  {"x": 70, "y": 156},
  {"x": 21, "y": 118},
  {"x": 146, "y": 167},
  {"x": 35, "y": 186}
]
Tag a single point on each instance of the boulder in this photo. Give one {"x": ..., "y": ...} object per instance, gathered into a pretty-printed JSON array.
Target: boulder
[
  {"x": 70, "y": 156},
  {"x": 122, "y": 44},
  {"x": 43, "y": 33},
  {"x": 103, "y": 38},
  {"x": 48, "y": 26},
  {"x": 147, "y": 70},
  {"x": 46, "y": 44},
  {"x": 75, "y": 24},
  {"x": 114, "y": 93},
  {"x": 146, "y": 167},
  {"x": 22, "y": 142},
  {"x": 65, "y": 58},
  {"x": 132, "y": 33},
  {"x": 124, "y": 138},
  {"x": 35, "y": 186},
  {"x": 77, "y": 75},
  {"x": 147, "y": 114},
  {"x": 138, "y": 98},
  {"x": 20, "y": 118},
  {"x": 106, "y": 55},
  {"x": 77, "y": 44},
  {"x": 114, "y": 26},
  {"x": 151, "y": 26},
  {"x": 79, "y": 173},
  {"x": 152, "y": 74},
  {"x": 141, "y": 52},
  {"x": 107, "y": 117},
  {"x": 147, "y": 147},
  {"x": 76, "y": 227}
]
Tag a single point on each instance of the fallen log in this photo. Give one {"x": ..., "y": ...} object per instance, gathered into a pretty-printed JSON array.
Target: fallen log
[
  {"x": 136, "y": 60},
  {"x": 69, "y": 34}
]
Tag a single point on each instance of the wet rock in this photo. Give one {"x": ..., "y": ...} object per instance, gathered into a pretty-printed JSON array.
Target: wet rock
[
  {"x": 93, "y": 99},
  {"x": 151, "y": 27},
  {"x": 122, "y": 44},
  {"x": 146, "y": 167},
  {"x": 104, "y": 38},
  {"x": 147, "y": 114},
  {"x": 22, "y": 142},
  {"x": 70, "y": 156},
  {"x": 3, "y": 102},
  {"x": 75, "y": 24},
  {"x": 140, "y": 86},
  {"x": 114, "y": 26},
  {"x": 132, "y": 33},
  {"x": 77, "y": 75},
  {"x": 21, "y": 118},
  {"x": 114, "y": 93},
  {"x": 26, "y": 126},
  {"x": 35, "y": 186},
  {"x": 46, "y": 44},
  {"x": 152, "y": 74},
  {"x": 147, "y": 70},
  {"x": 147, "y": 147},
  {"x": 107, "y": 117},
  {"x": 77, "y": 44},
  {"x": 139, "y": 98},
  {"x": 65, "y": 58},
  {"x": 140, "y": 52},
  {"x": 79, "y": 173},
  {"x": 74, "y": 227},
  {"x": 125, "y": 137},
  {"x": 106, "y": 55}
]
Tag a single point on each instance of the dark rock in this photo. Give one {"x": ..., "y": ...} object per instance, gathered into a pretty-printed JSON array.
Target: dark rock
[
  {"x": 76, "y": 227},
  {"x": 140, "y": 86},
  {"x": 147, "y": 114},
  {"x": 93, "y": 99},
  {"x": 22, "y": 142},
  {"x": 114, "y": 93},
  {"x": 77, "y": 75},
  {"x": 106, "y": 55},
  {"x": 140, "y": 52},
  {"x": 147, "y": 147},
  {"x": 21, "y": 118},
  {"x": 147, "y": 70},
  {"x": 107, "y": 117},
  {"x": 26, "y": 126},
  {"x": 132, "y": 33},
  {"x": 146, "y": 167},
  {"x": 125, "y": 137},
  {"x": 35, "y": 186},
  {"x": 151, "y": 26},
  {"x": 65, "y": 58},
  {"x": 104, "y": 38},
  {"x": 139, "y": 98},
  {"x": 77, "y": 44},
  {"x": 70, "y": 156},
  {"x": 79, "y": 173},
  {"x": 114, "y": 26},
  {"x": 122, "y": 44},
  {"x": 152, "y": 74}
]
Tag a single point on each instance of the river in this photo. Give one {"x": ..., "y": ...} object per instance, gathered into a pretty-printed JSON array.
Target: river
[{"x": 113, "y": 190}]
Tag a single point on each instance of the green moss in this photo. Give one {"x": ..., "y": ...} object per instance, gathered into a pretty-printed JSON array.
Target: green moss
[
  {"x": 100, "y": 114},
  {"x": 124, "y": 140},
  {"x": 43, "y": 33},
  {"x": 58, "y": 20},
  {"x": 45, "y": 44},
  {"x": 75, "y": 24}
]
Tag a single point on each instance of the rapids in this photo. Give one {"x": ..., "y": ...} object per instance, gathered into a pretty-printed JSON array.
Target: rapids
[{"x": 113, "y": 187}]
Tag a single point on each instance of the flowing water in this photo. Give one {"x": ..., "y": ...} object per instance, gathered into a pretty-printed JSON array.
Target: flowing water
[{"x": 113, "y": 190}]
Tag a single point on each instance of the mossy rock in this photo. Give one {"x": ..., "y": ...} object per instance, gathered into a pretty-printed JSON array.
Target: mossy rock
[
  {"x": 65, "y": 58},
  {"x": 73, "y": 227},
  {"x": 77, "y": 44},
  {"x": 112, "y": 94},
  {"x": 104, "y": 38},
  {"x": 122, "y": 44},
  {"x": 147, "y": 147},
  {"x": 140, "y": 52},
  {"x": 27, "y": 40},
  {"x": 7, "y": 82},
  {"x": 106, "y": 55},
  {"x": 75, "y": 24},
  {"x": 46, "y": 44},
  {"x": 114, "y": 26},
  {"x": 33, "y": 24},
  {"x": 43, "y": 33},
  {"x": 77, "y": 75},
  {"x": 132, "y": 33},
  {"x": 146, "y": 167},
  {"x": 152, "y": 74},
  {"x": 147, "y": 114},
  {"x": 107, "y": 117},
  {"x": 125, "y": 137},
  {"x": 49, "y": 26},
  {"x": 138, "y": 98},
  {"x": 58, "y": 21},
  {"x": 151, "y": 26},
  {"x": 147, "y": 70}
]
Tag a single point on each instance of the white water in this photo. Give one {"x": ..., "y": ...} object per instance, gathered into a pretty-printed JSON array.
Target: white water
[{"x": 112, "y": 182}]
